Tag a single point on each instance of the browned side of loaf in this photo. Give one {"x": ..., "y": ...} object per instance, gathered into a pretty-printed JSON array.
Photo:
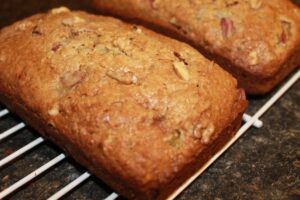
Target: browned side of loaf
[
  {"x": 256, "y": 41},
  {"x": 122, "y": 187},
  {"x": 139, "y": 110}
]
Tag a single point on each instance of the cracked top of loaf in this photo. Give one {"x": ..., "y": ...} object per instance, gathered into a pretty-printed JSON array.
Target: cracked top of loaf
[{"x": 255, "y": 39}]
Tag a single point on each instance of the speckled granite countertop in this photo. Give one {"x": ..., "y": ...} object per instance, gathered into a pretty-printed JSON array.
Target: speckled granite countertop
[{"x": 263, "y": 164}]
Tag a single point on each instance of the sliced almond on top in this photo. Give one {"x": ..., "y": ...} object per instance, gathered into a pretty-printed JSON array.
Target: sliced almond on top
[{"x": 181, "y": 70}]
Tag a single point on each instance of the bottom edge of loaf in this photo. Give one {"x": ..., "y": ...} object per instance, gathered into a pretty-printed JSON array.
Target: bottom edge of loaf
[{"x": 120, "y": 186}]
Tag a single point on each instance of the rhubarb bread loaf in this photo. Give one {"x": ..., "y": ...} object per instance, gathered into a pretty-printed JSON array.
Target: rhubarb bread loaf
[
  {"x": 258, "y": 41},
  {"x": 141, "y": 111}
]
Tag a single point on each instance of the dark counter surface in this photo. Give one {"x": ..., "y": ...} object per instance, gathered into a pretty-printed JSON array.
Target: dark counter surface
[{"x": 263, "y": 164}]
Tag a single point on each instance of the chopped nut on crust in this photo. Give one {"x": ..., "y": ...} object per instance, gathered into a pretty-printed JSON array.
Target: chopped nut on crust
[
  {"x": 253, "y": 58},
  {"x": 174, "y": 139},
  {"x": 286, "y": 33},
  {"x": 255, "y": 4},
  {"x": 207, "y": 133},
  {"x": 154, "y": 3},
  {"x": 125, "y": 77},
  {"x": 227, "y": 27},
  {"x": 71, "y": 79},
  {"x": 137, "y": 29},
  {"x": 53, "y": 111},
  {"x": 102, "y": 49},
  {"x": 121, "y": 43},
  {"x": 73, "y": 20},
  {"x": 60, "y": 10},
  {"x": 197, "y": 132},
  {"x": 24, "y": 25},
  {"x": 203, "y": 131},
  {"x": 230, "y": 3},
  {"x": 173, "y": 20},
  {"x": 181, "y": 70},
  {"x": 55, "y": 47}
]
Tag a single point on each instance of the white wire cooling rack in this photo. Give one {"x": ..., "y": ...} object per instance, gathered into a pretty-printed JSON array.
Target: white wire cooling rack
[{"x": 249, "y": 121}]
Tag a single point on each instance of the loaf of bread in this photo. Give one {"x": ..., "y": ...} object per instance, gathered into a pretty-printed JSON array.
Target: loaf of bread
[
  {"x": 258, "y": 41},
  {"x": 139, "y": 110}
]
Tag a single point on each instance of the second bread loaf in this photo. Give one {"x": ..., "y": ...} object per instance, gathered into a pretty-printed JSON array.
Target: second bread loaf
[{"x": 258, "y": 41}]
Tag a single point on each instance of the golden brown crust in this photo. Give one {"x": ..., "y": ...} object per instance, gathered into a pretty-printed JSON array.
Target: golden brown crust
[
  {"x": 252, "y": 39},
  {"x": 136, "y": 108}
]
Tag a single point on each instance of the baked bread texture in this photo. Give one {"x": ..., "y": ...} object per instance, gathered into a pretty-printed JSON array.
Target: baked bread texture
[
  {"x": 141, "y": 111},
  {"x": 258, "y": 41}
]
